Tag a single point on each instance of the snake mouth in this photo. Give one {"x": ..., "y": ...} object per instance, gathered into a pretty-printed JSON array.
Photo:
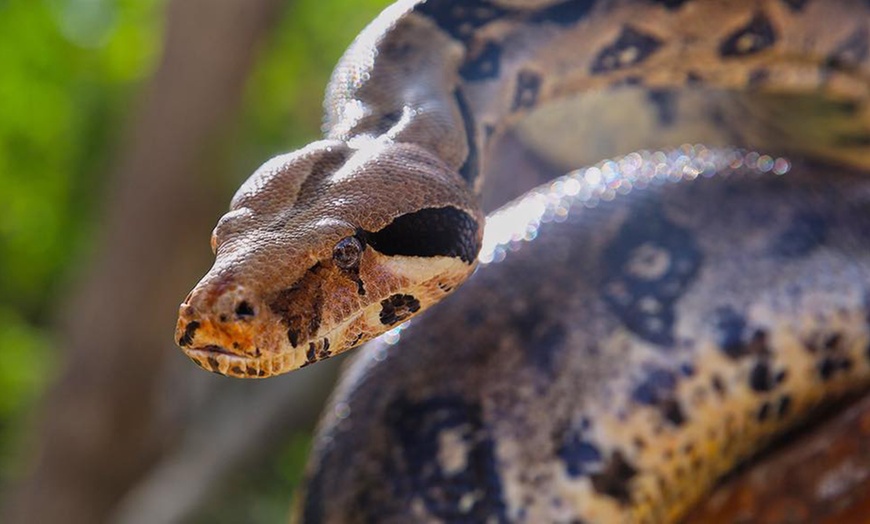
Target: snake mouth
[
  {"x": 220, "y": 360},
  {"x": 211, "y": 348}
]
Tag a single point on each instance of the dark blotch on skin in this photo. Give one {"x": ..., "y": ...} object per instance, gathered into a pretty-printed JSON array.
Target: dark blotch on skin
[
  {"x": 581, "y": 457},
  {"x": 526, "y": 93},
  {"x": 565, "y": 13},
  {"x": 756, "y": 36},
  {"x": 186, "y": 338},
  {"x": 673, "y": 412},
  {"x": 730, "y": 327},
  {"x": 461, "y": 20},
  {"x": 763, "y": 412},
  {"x": 671, "y": 255},
  {"x": 300, "y": 306},
  {"x": 397, "y": 308},
  {"x": 615, "y": 478},
  {"x": 433, "y": 231},
  {"x": 323, "y": 351},
  {"x": 610, "y": 58},
  {"x": 212, "y": 361},
  {"x": 784, "y": 406},
  {"x": 853, "y": 51},
  {"x": 310, "y": 354},
  {"x": 542, "y": 338},
  {"x": 665, "y": 103},
  {"x": 731, "y": 330},
  {"x": 470, "y": 169},
  {"x": 760, "y": 377},
  {"x": 829, "y": 366},
  {"x": 485, "y": 65},
  {"x": 293, "y": 337},
  {"x": 415, "y": 429},
  {"x": 806, "y": 232},
  {"x": 658, "y": 389},
  {"x": 236, "y": 370},
  {"x": 548, "y": 344}
]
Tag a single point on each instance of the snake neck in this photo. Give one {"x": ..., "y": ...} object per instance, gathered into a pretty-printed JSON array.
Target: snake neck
[{"x": 764, "y": 74}]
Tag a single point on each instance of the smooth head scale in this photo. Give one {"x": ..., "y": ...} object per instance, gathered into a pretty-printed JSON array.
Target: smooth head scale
[{"x": 316, "y": 256}]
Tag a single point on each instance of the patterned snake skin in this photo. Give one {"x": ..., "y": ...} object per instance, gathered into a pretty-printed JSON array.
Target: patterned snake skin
[{"x": 637, "y": 327}]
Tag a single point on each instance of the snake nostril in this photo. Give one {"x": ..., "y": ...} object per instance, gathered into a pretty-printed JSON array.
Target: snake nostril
[{"x": 244, "y": 310}]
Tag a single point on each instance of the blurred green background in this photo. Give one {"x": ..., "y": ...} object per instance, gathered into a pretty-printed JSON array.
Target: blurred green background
[{"x": 71, "y": 72}]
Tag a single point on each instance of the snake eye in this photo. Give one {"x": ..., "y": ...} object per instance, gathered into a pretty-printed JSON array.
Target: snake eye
[{"x": 347, "y": 252}]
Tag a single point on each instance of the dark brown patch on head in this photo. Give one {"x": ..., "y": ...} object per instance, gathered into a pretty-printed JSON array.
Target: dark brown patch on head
[
  {"x": 615, "y": 478},
  {"x": 397, "y": 308},
  {"x": 213, "y": 363},
  {"x": 236, "y": 370},
  {"x": 189, "y": 331},
  {"x": 311, "y": 354},
  {"x": 293, "y": 337},
  {"x": 300, "y": 307},
  {"x": 251, "y": 372}
]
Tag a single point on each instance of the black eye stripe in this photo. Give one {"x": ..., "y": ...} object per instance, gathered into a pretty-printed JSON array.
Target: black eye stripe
[{"x": 442, "y": 231}]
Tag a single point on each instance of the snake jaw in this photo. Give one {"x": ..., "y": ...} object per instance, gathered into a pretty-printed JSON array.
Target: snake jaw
[{"x": 292, "y": 328}]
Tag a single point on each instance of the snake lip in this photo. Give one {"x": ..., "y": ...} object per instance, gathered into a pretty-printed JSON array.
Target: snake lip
[{"x": 213, "y": 349}]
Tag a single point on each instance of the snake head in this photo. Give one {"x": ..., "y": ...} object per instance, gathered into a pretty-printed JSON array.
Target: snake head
[{"x": 325, "y": 248}]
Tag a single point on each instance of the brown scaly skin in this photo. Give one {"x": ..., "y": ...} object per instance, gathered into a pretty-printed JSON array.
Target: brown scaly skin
[
  {"x": 615, "y": 370},
  {"x": 276, "y": 300}
]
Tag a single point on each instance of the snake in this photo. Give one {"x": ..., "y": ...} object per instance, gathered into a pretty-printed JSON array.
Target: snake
[{"x": 632, "y": 330}]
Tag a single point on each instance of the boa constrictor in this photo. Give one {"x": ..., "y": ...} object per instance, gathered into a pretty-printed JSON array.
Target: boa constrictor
[{"x": 614, "y": 368}]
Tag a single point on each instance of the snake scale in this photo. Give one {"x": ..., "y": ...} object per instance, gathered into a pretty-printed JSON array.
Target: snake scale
[{"x": 637, "y": 327}]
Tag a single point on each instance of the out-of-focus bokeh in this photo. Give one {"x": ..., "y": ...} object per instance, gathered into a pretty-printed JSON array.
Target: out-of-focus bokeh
[{"x": 125, "y": 126}]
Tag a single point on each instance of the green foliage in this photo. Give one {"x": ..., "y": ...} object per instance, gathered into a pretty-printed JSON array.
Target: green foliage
[
  {"x": 285, "y": 98},
  {"x": 70, "y": 71}
]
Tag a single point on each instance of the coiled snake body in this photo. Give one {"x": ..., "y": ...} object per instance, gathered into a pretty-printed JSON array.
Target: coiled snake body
[{"x": 614, "y": 368}]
